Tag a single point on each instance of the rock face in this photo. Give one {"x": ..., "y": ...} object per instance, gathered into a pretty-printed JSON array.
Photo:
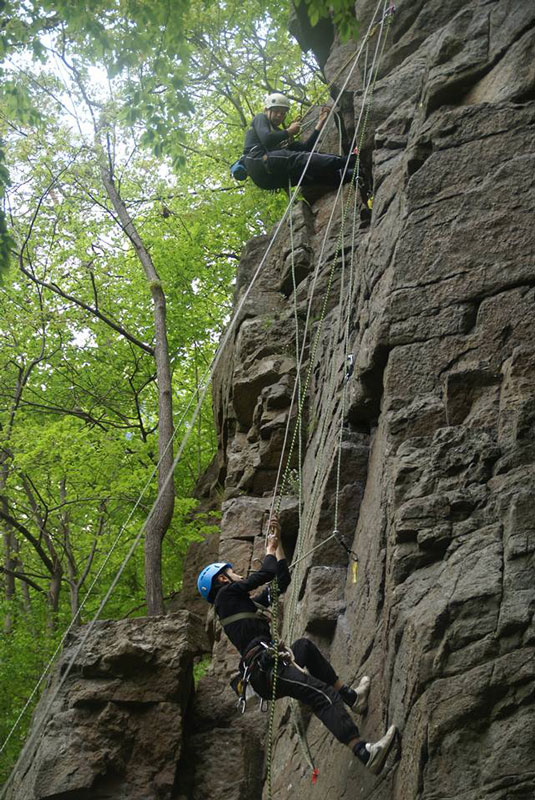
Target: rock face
[
  {"x": 431, "y": 430},
  {"x": 115, "y": 728},
  {"x": 408, "y": 426}
]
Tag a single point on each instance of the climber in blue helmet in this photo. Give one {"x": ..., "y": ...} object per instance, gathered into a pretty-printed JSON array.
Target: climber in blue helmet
[
  {"x": 245, "y": 620},
  {"x": 274, "y": 157}
]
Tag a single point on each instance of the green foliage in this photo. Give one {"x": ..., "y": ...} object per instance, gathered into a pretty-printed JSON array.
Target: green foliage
[
  {"x": 25, "y": 651},
  {"x": 201, "y": 668},
  {"x": 138, "y": 45},
  {"x": 6, "y": 242},
  {"x": 342, "y": 13}
]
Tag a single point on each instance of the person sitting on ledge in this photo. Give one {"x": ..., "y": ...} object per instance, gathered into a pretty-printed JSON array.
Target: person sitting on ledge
[
  {"x": 245, "y": 622},
  {"x": 274, "y": 158}
]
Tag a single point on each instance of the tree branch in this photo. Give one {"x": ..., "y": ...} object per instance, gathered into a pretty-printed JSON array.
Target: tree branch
[
  {"x": 22, "y": 577},
  {"x": 29, "y": 537},
  {"x": 91, "y": 310},
  {"x": 79, "y": 414}
]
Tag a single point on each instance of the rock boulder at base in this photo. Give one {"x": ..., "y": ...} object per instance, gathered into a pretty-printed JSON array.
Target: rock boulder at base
[{"x": 114, "y": 726}]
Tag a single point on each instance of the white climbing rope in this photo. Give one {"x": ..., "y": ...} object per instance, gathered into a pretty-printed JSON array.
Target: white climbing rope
[
  {"x": 324, "y": 467},
  {"x": 373, "y": 77},
  {"x": 322, "y": 473},
  {"x": 371, "y": 81}
]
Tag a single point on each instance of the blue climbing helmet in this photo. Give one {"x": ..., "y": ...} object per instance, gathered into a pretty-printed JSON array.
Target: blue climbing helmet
[{"x": 207, "y": 575}]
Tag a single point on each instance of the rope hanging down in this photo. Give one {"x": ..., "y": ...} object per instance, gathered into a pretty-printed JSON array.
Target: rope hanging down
[
  {"x": 320, "y": 476},
  {"x": 348, "y": 358},
  {"x": 301, "y": 734},
  {"x": 387, "y": 13},
  {"x": 76, "y": 617},
  {"x": 339, "y": 248},
  {"x": 301, "y": 392}
]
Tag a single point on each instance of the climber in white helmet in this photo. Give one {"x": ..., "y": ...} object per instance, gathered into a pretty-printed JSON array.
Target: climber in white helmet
[
  {"x": 245, "y": 623},
  {"x": 274, "y": 158}
]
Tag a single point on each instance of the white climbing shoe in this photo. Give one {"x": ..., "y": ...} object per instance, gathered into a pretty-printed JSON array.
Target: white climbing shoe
[
  {"x": 379, "y": 750},
  {"x": 362, "y": 691},
  {"x": 357, "y": 699}
]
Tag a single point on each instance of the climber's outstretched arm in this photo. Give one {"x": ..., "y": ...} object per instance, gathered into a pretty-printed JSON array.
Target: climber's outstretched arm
[{"x": 274, "y": 548}]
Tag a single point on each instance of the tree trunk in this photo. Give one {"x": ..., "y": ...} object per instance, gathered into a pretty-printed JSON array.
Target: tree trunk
[
  {"x": 199, "y": 418},
  {"x": 9, "y": 561},
  {"x": 9, "y": 578},
  {"x": 13, "y": 565},
  {"x": 160, "y": 519},
  {"x": 64, "y": 526},
  {"x": 54, "y": 591},
  {"x": 75, "y": 600}
]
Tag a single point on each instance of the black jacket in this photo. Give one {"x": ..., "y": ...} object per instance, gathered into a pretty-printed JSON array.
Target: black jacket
[
  {"x": 262, "y": 136},
  {"x": 233, "y": 598}
]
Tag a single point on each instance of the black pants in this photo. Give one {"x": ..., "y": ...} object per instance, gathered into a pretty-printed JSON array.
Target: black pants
[
  {"x": 313, "y": 688},
  {"x": 278, "y": 168}
]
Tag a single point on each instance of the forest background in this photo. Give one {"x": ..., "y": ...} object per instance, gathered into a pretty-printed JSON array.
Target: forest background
[{"x": 120, "y": 231}]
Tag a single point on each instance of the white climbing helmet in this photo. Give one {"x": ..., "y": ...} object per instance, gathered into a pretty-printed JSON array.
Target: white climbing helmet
[{"x": 276, "y": 100}]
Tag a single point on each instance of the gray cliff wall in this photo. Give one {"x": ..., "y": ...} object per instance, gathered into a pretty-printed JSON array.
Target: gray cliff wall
[
  {"x": 437, "y": 467},
  {"x": 434, "y": 292}
]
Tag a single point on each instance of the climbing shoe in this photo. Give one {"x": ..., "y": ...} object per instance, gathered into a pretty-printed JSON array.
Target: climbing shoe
[
  {"x": 374, "y": 754},
  {"x": 357, "y": 699}
]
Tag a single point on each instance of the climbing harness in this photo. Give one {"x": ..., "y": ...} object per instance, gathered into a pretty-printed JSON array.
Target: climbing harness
[{"x": 262, "y": 656}]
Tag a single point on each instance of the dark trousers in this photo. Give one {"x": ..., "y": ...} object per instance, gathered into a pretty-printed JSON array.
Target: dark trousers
[
  {"x": 313, "y": 688},
  {"x": 278, "y": 168}
]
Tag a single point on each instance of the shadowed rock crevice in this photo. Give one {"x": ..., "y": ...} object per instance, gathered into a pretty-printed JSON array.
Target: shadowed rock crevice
[{"x": 364, "y": 412}]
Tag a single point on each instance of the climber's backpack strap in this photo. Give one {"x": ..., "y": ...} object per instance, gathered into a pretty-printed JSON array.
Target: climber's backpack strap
[
  {"x": 241, "y": 615},
  {"x": 261, "y": 613}
]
